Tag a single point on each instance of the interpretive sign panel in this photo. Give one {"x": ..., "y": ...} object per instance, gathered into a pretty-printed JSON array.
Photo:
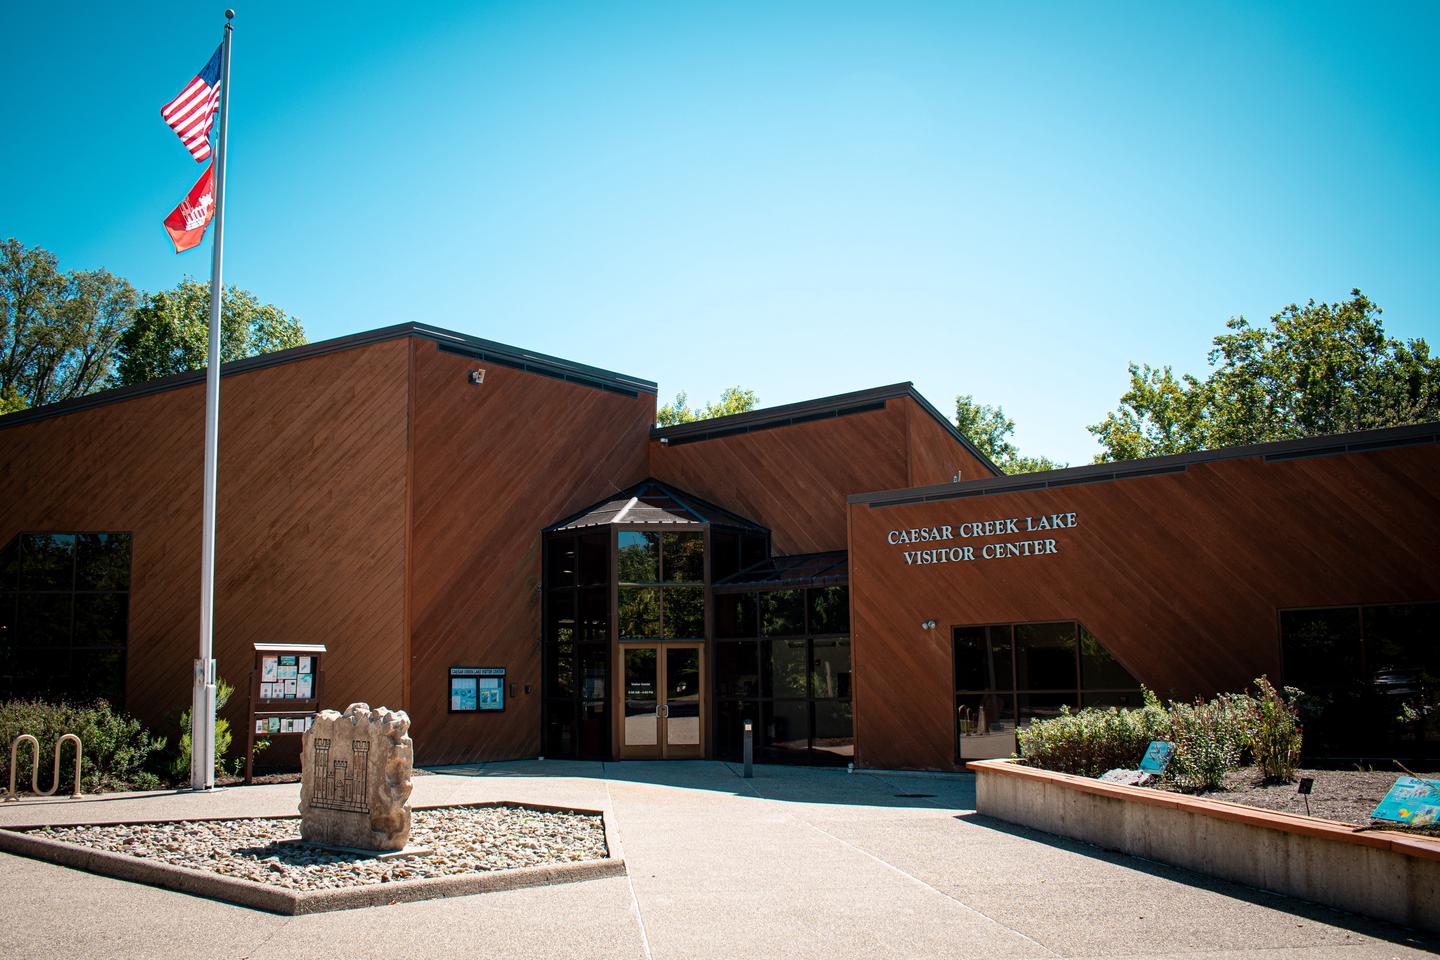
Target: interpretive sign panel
[
  {"x": 1411, "y": 801},
  {"x": 474, "y": 689}
]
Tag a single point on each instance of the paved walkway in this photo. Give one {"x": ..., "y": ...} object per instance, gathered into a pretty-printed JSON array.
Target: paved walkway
[{"x": 794, "y": 864}]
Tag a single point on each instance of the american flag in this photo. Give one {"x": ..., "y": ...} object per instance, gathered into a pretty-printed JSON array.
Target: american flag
[{"x": 191, "y": 114}]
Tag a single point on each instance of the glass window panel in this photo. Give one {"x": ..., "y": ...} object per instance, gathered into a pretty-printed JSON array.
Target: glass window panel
[
  {"x": 985, "y": 725},
  {"x": 830, "y": 610},
  {"x": 639, "y": 613},
  {"x": 641, "y": 674},
  {"x": 642, "y": 726},
  {"x": 1404, "y": 637},
  {"x": 735, "y": 615},
  {"x": 47, "y": 561},
  {"x": 594, "y": 731},
  {"x": 100, "y": 619},
  {"x": 753, "y": 549},
  {"x": 1043, "y": 706},
  {"x": 684, "y": 557},
  {"x": 830, "y": 668},
  {"x": 729, "y": 734},
  {"x": 594, "y": 558},
  {"x": 782, "y": 613},
  {"x": 724, "y": 553},
  {"x": 638, "y": 556},
  {"x": 560, "y": 728},
  {"x": 1099, "y": 670},
  {"x": 45, "y": 619},
  {"x": 834, "y": 739},
  {"x": 562, "y": 562},
  {"x": 737, "y": 668},
  {"x": 1402, "y": 652},
  {"x": 560, "y": 663},
  {"x": 1321, "y": 648},
  {"x": 684, "y": 613},
  {"x": 786, "y": 731},
  {"x": 98, "y": 674},
  {"x": 9, "y": 634},
  {"x": 783, "y": 668},
  {"x": 1125, "y": 700},
  {"x": 983, "y": 658},
  {"x": 34, "y": 673},
  {"x": 594, "y": 621},
  {"x": 595, "y": 672},
  {"x": 560, "y": 616},
  {"x": 1045, "y": 656},
  {"x": 102, "y": 561},
  {"x": 10, "y": 565}
]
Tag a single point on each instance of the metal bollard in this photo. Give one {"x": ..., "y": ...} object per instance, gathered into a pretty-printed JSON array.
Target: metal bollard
[{"x": 749, "y": 750}]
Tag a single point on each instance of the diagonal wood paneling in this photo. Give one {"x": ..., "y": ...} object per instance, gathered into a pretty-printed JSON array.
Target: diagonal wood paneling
[
  {"x": 493, "y": 464},
  {"x": 1180, "y": 575},
  {"x": 310, "y": 519}
]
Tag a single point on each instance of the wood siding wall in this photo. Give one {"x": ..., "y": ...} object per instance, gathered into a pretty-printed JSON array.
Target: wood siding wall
[
  {"x": 795, "y": 479},
  {"x": 935, "y": 457},
  {"x": 310, "y": 520},
  {"x": 1180, "y": 576},
  {"x": 494, "y": 464}
]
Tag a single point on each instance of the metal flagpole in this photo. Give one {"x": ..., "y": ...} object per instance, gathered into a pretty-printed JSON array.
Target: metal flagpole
[{"x": 202, "y": 702}]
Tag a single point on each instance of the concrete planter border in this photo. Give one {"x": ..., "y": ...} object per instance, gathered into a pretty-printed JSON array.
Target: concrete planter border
[
  {"x": 1384, "y": 874},
  {"x": 281, "y": 900}
]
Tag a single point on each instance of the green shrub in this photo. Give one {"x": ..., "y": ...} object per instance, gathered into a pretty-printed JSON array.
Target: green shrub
[
  {"x": 180, "y": 765},
  {"x": 117, "y": 749},
  {"x": 1276, "y": 737},
  {"x": 1210, "y": 738},
  {"x": 1089, "y": 742}
]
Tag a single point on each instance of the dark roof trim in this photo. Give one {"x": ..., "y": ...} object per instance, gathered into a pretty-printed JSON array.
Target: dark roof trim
[
  {"x": 743, "y": 581},
  {"x": 1319, "y": 446},
  {"x": 701, "y": 510},
  {"x": 824, "y": 408},
  {"x": 448, "y": 340}
]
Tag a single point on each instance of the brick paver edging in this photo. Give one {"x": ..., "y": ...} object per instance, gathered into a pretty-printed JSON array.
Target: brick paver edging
[{"x": 260, "y": 896}]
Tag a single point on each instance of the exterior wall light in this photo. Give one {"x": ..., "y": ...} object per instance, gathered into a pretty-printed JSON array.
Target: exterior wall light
[
  {"x": 928, "y": 625},
  {"x": 477, "y": 375}
]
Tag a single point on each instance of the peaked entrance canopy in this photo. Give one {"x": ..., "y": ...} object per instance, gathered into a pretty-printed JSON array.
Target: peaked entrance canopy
[{"x": 651, "y": 501}]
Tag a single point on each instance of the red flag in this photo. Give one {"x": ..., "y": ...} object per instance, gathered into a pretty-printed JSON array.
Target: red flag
[{"x": 187, "y": 222}]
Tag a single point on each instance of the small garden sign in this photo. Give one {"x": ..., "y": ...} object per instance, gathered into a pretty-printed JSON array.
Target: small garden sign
[{"x": 1411, "y": 801}]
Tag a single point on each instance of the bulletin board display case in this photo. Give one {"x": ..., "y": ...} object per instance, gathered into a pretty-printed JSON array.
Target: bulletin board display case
[{"x": 285, "y": 689}]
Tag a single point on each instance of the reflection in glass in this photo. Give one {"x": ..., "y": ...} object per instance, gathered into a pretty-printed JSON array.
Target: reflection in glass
[
  {"x": 560, "y": 616},
  {"x": 830, "y": 668},
  {"x": 735, "y": 615},
  {"x": 560, "y": 661},
  {"x": 830, "y": 610},
  {"x": 1099, "y": 670},
  {"x": 684, "y": 557},
  {"x": 1044, "y": 706},
  {"x": 724, "y": 553},
  {"x": 983, "y": 658},
  {"x": 737, "y": 668},
  {"x": 102, "y": 561},
  {"x": 639, "y": 614},
  {"x": 786, "y": 729},
  {"x": 562, "y": 562},
  {"x": 783, "y": 667},
  {"x": 638, "y": 556},
  {"x": 782, "y": 613},
  {"x": 642, "y": 726},
  {"x": 641, "y": 674},
  {"x": 47, "y": 561},
  {"x": 835, "y": 729},
  {"x": 1045, "y": 656},
  {"x": 684, "y": 613},
  {"x": 594, "y": 619},
  {"x": 594, "y": 672},
  {"x": 594, "y": 559},
  {"x": 560, "y": 729},
  {"x": 985, "y": 723}
]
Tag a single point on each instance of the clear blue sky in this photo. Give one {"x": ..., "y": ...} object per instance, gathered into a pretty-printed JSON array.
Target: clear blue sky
[{"x": 1000, "y": 199}]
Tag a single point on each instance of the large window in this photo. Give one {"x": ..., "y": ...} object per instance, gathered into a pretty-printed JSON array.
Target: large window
[
  {"x": 1009, "y": 674},
  {"x": 1370, "y": 677},
  {"x": 64, "y": 610},
  {"x": 782, "y": 660},
  {"x": 662, "y": 585},
  {"x": 576, "y": 649}
]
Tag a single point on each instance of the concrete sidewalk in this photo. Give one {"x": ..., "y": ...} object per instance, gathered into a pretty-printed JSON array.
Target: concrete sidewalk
[{"x": 797, "y": 863}]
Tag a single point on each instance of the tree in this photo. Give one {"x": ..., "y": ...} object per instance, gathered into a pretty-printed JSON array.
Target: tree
[
  {"x": 1314, "y": 369},
  {"x": 732, "y": 400},
  {"x": 989, "y": 429},
  {"x": 170, "y": 333},
  {"x": 61, "y": 331}
]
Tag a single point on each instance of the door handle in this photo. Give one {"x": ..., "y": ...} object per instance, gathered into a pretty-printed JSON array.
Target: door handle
[{"x": 662, "y": 710}]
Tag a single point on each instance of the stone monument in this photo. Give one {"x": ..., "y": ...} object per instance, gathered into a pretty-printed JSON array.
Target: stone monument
[{"x": 355, "y": 785}]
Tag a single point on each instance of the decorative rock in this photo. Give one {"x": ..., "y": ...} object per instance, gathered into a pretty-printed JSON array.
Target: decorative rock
[{"x": 355, "y": 771}]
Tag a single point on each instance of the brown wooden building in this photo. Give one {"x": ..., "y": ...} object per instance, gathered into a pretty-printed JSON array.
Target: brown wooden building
[{"x": 503, "y": 544}]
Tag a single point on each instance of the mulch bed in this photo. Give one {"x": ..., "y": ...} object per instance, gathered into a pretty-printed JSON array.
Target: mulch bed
[{"x": 1348, "y": 796}]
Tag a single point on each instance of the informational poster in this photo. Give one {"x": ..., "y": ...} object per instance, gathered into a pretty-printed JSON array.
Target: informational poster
[
  {"x": 290, "y": 685},
  {"x": 269, "y": 667},
  {"x": 260, "y": 725},
  {"x": 305, "y": 665},
  {"x": 1411, "y": 800},
  {"x": 474, "y": 689},
  {"x": 463, "y": 694},
  {"x": 1157, "y": 756},
  {"x": 304, "y": 686},
  {"x": 289, "y": 667},
  {"x": 492, "y": 693},
  {"x": 273, "y": 724}
]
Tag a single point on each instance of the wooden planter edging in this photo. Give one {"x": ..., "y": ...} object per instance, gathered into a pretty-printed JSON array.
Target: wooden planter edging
[
  {"x": 290, "y": 902},
  {"x": 1381, "y": 874}
]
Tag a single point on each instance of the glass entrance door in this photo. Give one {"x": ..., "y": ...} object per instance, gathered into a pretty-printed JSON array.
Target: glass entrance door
[{"x": 664, "y": 694}]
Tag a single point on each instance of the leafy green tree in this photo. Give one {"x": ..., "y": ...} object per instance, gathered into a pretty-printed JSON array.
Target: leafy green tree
[
  {"x": 1315, "y": 369},
  {"x": 61, "y": 331},
  {"x": 170, "y": 333},
  {"x": 732, "y": 400},
  {"x": 989, "y": 429}
]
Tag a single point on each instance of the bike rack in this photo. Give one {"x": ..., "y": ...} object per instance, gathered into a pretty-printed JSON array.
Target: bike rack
[{"x": 35, "y": 766}]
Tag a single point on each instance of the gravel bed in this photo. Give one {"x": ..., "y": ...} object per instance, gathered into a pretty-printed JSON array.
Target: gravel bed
[
  {"x": 1345, "y": 795},
  {"x": 465, "y": 840}
]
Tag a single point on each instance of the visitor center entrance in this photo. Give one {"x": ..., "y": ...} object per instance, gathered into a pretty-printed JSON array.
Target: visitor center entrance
[{"x": 664, "y": 702}]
